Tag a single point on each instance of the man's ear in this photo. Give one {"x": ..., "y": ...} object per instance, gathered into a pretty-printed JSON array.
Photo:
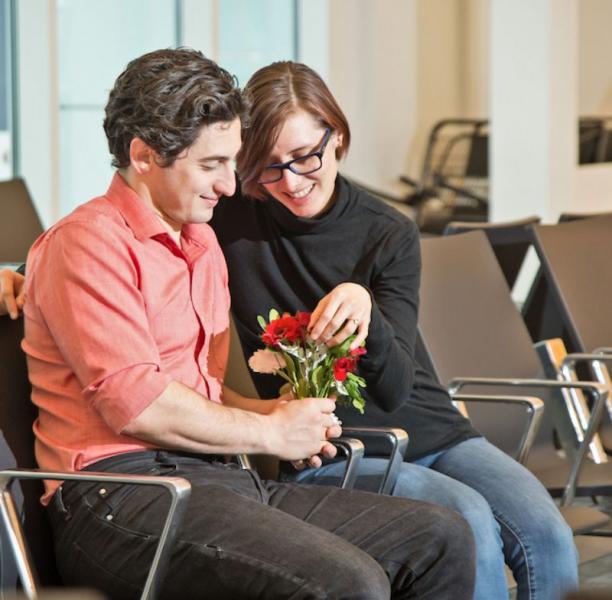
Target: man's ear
[{"x": 142, "y": 156}]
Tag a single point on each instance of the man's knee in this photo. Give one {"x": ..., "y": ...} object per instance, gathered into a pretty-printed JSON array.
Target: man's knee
[
  {"x": 363, "y": 579},
  {"x": 451, "y": 537}
]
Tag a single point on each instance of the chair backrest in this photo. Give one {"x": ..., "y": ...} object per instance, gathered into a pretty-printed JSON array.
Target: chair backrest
[
  {"x": 238, "y": 378},
  {"x": 542, "y": 311},
  {"x": 576, "y": 216},
  {"x": 510, "y": 241},
  {"x": 471, "y": 328},
  {"x": 19, "y": 221},
  {"x": 17, "y": 415},
  {"x": 575, "y": 259}
]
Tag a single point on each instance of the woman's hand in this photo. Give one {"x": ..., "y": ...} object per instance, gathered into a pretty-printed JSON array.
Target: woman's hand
[
  {"x": 12, "y": 292},
  {"x": 345, "y": 311}
]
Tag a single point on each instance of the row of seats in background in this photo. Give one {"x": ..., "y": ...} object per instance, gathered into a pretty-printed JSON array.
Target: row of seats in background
[
  {"x": 454, "y": 179},
  {"x": 469, "y": 327}
]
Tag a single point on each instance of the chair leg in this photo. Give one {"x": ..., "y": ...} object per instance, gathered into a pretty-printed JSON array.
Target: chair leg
[{"x": 12, "y": 525}]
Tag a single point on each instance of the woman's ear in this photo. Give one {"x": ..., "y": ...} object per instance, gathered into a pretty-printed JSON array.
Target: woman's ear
[
  {"x": 142, "y": 156},
  {"x": 339, "y": 141}
]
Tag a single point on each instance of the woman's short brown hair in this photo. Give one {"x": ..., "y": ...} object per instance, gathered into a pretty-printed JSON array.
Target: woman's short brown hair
[
  {"x": 164, "y": 98},
  {"x": 274, "y": 93}
]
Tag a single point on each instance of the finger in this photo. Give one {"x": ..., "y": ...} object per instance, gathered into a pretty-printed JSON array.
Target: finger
[
  {"x": 10, "y": 304},
  {"x": 361, "y": 335},
  {"x": 322, "y": 320},
  {"x": 298, "y": 465},
  {"x": 342, "y": 334},
  {"x": 316, "y": 313},
  {"x": 338, "y": 321},
  {"x": 314, "y": 462},
  {"x": 21, "y": 298},
  {"x": 324, "y": 405},
  {"x": 329, "y": 451},
  {"x": 334, "y": 431}
]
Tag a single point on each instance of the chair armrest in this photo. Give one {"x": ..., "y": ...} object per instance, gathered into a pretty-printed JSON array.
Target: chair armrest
[
  {"x": 597, "y": 390},
  {"x": 178, "y": 488},
  {"x": 603, "y": 350},
  {"x": 595, "y": 359},
  {"x": 353, "y": 449},
  {"x": 600, "y": 355},
  {"x": 533, "y": 406},
  {"x": 396, "y": 438}
]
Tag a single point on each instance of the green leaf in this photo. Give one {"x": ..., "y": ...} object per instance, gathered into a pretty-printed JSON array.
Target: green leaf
[
  {"x": 262, "y": 322},
  {"x": 360, "y": 381},
  {"x": 317, "y": 377},
  {"x": 359, "y": 405},
  {"x": 274, "y": 314},
  {"x": 290, "y": 365}
]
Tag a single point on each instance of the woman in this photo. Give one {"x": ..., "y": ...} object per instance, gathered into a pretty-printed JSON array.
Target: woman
[{"x": 301, "y": 237}]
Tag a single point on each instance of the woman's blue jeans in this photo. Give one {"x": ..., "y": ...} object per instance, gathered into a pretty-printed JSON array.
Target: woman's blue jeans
[{"x": 513, "y": 517}]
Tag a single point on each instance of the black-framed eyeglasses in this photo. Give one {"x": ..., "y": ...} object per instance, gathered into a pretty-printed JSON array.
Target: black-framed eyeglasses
[{"x": 302, "y": 165}]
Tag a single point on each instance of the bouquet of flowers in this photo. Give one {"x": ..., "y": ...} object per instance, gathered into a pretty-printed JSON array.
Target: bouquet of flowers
[{"x": 310, "y": 369}]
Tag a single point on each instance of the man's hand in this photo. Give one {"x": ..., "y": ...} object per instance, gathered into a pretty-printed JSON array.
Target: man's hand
[
  {"x": 303, "y": 428},
  {"x": 12, "y": 291},
  {"x": 345, "y": 311}
]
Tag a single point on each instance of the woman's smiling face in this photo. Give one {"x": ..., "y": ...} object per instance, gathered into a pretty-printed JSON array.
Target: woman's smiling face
[{"x": 304, "y": 195}]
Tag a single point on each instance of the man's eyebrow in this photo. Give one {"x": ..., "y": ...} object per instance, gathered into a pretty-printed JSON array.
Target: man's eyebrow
[{"x": 220, "y": 158}]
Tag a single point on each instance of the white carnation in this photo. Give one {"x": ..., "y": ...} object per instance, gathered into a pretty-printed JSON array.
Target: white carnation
[{"x": 266, "y": 361}]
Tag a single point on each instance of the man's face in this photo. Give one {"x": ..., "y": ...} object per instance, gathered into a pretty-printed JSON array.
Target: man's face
[{"x": 189, "y": 189}]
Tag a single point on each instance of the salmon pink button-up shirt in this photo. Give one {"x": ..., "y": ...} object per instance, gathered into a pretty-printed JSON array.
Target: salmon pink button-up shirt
[{"x": 114, "y": 312}]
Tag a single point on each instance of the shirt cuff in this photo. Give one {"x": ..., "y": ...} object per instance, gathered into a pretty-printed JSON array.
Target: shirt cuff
[{"x": 122, "y": 396}]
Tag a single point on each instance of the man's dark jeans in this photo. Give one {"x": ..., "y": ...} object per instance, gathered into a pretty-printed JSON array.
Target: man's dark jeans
[{"x": 247, "y": 538}]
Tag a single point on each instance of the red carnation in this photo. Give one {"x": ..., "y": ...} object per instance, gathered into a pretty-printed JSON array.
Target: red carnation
[
  {"x": 343, "y": 366},
  {"x": 303, "y": 318},
  {"x": 284, "y": 328},
  {"x": 359, "y": 351}
]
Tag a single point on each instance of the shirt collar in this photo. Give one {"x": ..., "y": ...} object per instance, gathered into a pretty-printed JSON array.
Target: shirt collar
[{"x": 142, "y": 220}]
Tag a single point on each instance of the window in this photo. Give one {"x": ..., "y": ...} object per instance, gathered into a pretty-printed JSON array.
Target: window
[
  {"x": 95, "y": 42},
  {"x": 6, "y": 105},
  {"x": 254, "y": 34}
]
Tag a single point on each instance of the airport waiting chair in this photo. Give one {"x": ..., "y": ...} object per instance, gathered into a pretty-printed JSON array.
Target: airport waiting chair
[
  {"x": 510, "y": 241},
  {"x": 574, "y": 258},
  {"x": 470, "y": 328},
  {"x": 26, "y": 534},
  {"x": 454, "y": 179},
  {"x": 541, "y": 311},
  {"x": 20, "y": 224}
]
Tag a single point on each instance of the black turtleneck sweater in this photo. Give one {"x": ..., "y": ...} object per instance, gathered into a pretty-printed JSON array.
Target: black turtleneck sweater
[{"x": 278, "y": 260}]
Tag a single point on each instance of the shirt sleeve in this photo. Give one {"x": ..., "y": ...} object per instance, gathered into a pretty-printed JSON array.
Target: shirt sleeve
[
  {"x": 389, "y": 365},
  {"x": 85, "y": 287}
]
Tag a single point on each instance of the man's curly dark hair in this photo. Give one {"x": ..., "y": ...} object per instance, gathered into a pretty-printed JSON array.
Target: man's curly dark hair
[{"x": 164, "y": 98}]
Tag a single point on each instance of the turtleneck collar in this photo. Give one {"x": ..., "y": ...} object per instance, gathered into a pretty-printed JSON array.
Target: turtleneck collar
[{"x": 302, "y": 225}]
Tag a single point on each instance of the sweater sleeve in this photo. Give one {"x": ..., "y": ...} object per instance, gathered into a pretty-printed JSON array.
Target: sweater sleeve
[{"x": 389, "y": 366}]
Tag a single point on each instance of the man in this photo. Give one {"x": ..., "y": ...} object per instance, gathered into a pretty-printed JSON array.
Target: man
[{"x": 126, "y": 331}]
